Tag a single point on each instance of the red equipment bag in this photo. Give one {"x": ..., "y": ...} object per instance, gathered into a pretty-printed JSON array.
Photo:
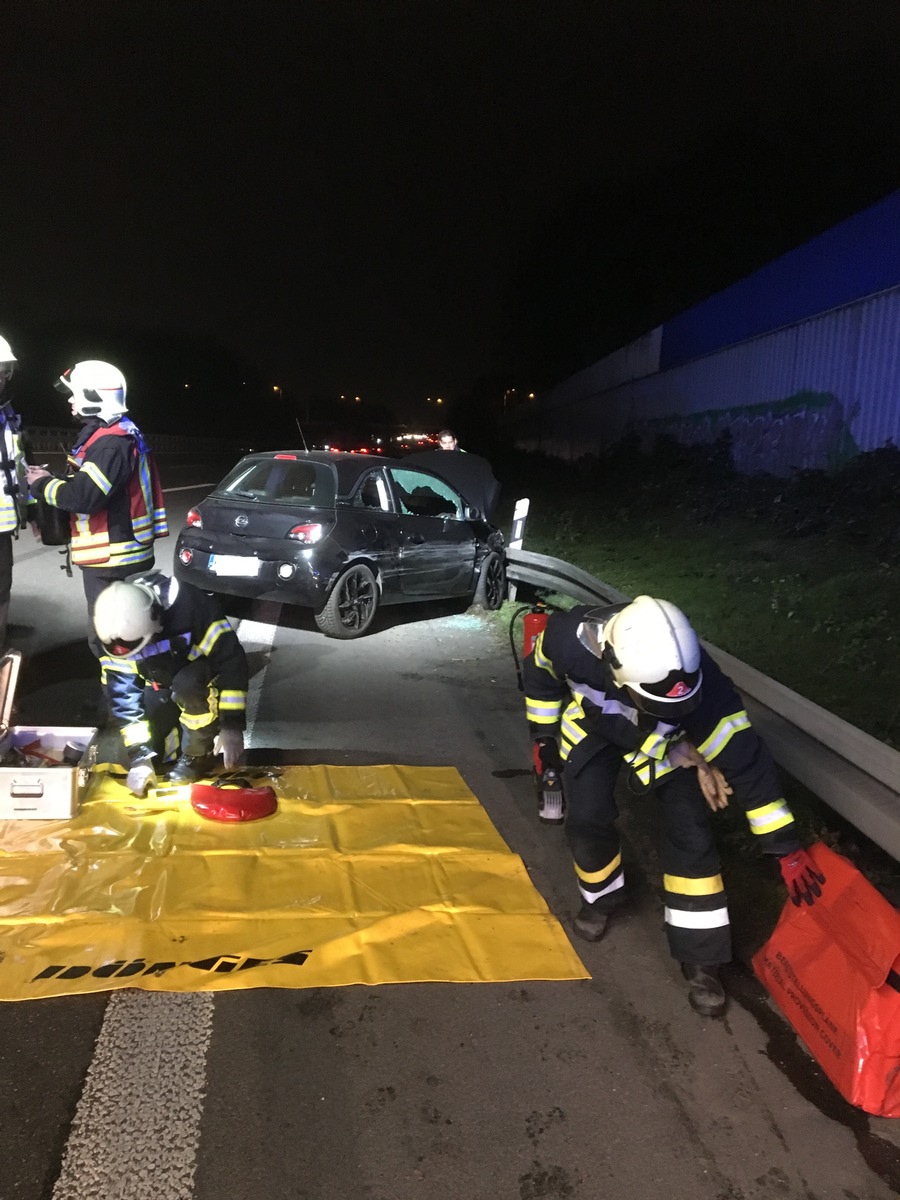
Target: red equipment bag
[
  {"x": 234, "y": 800},
  {"x": 832, "y": 968}
]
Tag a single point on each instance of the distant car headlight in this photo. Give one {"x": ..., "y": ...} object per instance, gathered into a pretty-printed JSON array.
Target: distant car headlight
[{"x": 307, "y": 534}]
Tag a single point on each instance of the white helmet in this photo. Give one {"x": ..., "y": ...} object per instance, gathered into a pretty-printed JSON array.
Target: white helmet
[
  {"x": 6, "y": 354},
  {"x": 127, "y": 617},
  {"x": 651, "y": 650},
  {"x": 97, "y": 389}
]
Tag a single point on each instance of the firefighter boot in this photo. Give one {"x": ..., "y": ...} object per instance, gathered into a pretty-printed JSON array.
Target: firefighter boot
[
  {"x": 189, "y": 768},
  {"x": 706, "y": 994},
  {"x": 589, "y": 923}
]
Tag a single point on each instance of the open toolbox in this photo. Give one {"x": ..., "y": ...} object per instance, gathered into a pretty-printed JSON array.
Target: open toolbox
[{"x": 44, "y": 769}]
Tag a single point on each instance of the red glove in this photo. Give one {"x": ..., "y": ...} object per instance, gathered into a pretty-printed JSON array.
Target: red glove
[{"x": 801, "y": 877}]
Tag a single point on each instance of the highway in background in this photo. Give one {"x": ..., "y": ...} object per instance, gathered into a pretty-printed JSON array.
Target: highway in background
[{"x": 610, "y": 1087}]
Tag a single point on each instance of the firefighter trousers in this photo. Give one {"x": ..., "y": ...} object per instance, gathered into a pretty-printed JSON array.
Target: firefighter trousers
[
  {"x": 696, "y": 911},
  {"x": 183, "y": 717}
]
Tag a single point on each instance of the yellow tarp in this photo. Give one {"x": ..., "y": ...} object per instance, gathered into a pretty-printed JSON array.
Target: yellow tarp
[{"x": 383, "y": 874}]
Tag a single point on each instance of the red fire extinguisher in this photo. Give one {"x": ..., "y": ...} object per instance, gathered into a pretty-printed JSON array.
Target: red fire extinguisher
[{"x": 533, "y": 625}]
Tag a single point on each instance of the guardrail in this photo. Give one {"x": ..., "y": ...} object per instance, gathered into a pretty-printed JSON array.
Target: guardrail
[{"x": 854, "y": 773}]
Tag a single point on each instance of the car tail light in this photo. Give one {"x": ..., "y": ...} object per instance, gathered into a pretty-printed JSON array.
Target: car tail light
[
  {"x": 193, "y": 518},
  {"x": 186, "y": 555},
  {"x": 307, "y": 534}
]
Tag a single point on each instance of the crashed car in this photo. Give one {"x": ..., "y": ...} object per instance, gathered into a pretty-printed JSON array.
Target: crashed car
[{"x": 341, "y": 534}]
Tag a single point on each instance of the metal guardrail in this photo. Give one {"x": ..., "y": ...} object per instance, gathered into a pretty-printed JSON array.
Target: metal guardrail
[{"x": 854, "y": 773}]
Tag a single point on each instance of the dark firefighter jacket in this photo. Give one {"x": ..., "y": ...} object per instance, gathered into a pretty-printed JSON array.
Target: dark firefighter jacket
[
  {"x": 570, "y": 694},
  {"x": 113, "y": 494},
  {"x": 193, "y": 626}
]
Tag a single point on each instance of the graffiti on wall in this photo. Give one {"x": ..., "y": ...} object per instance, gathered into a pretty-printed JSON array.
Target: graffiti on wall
[{"x": 805, "y": 431}]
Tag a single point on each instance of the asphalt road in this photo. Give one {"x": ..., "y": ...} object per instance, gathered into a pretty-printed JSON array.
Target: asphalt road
[{"x": 607, "y": 1088}]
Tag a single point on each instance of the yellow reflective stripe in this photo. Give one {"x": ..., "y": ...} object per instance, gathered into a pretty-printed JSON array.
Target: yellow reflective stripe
[
  {"x": 540, "y": 658},
  {"x": 683, "y": 886},
  {"x": 137, "y": 732},
  {"x": 603, "y": 873},
  {"x": 723, "y": 733},
  {"x": 197, "y": 720},
  {"x": 97, "y": 477},
  {"x": 51, "y": 490},
  {"x": 232, "y": 699},
  {"x": 212, "y": 635},
  {"x": 125, "y": 666},
  {"x": 770, "y": 817},
  {"x": 170, "y": 746},
  {"x": 655, "y": 747},
  {"x": 543, "y": 712}
]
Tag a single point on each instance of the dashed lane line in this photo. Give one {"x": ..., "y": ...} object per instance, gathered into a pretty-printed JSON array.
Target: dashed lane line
[{"x": 136, "y": 1130}]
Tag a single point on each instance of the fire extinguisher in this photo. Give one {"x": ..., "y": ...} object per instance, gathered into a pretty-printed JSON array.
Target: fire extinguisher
[{"x": 548, "y": 784}]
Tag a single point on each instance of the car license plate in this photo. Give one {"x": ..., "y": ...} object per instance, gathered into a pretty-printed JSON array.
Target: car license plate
[{"x": 233, "y": 564}]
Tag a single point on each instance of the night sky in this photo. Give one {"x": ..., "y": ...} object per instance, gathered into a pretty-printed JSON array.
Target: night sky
[{"x": 402, "y": 200}]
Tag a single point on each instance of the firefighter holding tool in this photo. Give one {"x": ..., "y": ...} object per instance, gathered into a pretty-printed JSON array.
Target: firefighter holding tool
[
  {"x": 629, "y": 687},
  {"x": 112, "y": 490},
  {"x": 174, "y": 673}
]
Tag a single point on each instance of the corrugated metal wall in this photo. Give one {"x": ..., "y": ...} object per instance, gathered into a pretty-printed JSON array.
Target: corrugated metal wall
[{"x": 807, "y": 396}]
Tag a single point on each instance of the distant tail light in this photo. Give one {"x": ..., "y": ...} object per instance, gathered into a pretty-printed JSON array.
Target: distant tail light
[
  {"x": 307, "y": 534},
  {"x": 193, "y": 518}
]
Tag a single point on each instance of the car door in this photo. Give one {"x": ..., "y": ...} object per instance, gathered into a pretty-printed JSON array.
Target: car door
[
  {"x": 437, "y": 545},
  {"x": 370, "y": 528}
]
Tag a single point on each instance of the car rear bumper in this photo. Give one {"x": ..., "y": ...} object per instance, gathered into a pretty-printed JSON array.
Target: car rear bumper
[{"x": 291, "y": 578}]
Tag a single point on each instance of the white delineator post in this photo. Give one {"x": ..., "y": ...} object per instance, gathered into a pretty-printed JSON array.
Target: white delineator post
[{"x": 517, "y": 536}]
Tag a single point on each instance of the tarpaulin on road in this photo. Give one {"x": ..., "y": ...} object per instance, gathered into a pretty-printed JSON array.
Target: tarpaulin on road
[{"x": 384, "y": 874}]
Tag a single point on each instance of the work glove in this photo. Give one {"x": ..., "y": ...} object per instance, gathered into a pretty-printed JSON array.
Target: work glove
[
  {"x": 230, "y": 744},
  {"x": 713, "y": 784},
  {"x": 548, "y": 768},
  {"x": 140, "y": 776},
  {"x": 801, "y": 876}
]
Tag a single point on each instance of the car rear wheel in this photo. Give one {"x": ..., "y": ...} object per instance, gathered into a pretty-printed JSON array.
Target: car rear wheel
[
  {"x": 491, "y": 589},
  {"x": 351, "y": 607}
]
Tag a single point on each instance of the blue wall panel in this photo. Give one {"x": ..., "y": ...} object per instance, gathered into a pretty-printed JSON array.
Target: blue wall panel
[{"x": 854, "y": 259}]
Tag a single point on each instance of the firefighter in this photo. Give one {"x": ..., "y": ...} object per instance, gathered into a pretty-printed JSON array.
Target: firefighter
[
  {"x": 111, "y": 491},
  {"x": 173, "y": 671},
  {"x": 13, "y": 489},
  {"x": 629, "y": 685}
]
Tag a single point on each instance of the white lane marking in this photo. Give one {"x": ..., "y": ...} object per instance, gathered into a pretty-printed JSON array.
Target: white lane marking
[
  {"x": 136, "y": 1130},
  {"x": 188, "y": 487}
]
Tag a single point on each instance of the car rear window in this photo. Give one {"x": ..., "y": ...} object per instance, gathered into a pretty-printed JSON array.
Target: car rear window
[{"x": 281, "y": 481}]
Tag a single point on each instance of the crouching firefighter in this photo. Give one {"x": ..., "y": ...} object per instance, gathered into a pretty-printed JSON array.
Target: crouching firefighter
[
  {"x": 174, "y": 674},
  {"x": 630, "y": 685}
]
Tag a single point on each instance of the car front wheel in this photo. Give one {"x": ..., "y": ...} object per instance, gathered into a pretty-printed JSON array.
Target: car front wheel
[
  {"x": 351, "y": 607},
  {"x": 491, "y": 589}
]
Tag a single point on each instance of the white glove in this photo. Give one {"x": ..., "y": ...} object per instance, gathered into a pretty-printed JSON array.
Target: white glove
[
  {"x": 140, "y": 776},
  {"x": 230, "y": 744}
]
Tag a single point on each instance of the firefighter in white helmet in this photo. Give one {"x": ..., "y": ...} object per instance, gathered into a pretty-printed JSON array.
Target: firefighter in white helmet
[
  {"x": 13, "y": 488},
  {"x": 629, "y": 685},
  {"x": 111, "y": 491},
  {"x": 175, "y": 677}
]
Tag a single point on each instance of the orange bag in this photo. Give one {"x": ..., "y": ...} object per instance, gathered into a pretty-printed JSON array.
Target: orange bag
[{"x": 832, "y": 968}]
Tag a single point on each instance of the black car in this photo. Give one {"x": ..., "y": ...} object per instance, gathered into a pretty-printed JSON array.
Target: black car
[{"x": 341, "y": 534}]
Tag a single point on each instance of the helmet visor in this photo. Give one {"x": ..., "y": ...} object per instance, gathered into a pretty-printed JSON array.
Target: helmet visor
[
  {"x": 119, "y": 648},
  {"x": 671, "y": 698}
]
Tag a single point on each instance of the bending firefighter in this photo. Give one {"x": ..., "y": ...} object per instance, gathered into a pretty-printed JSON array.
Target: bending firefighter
[
  {"x": 174, "y": 672},
  {"x": 112, "y": 490},
  {"x": 629, "y": 685}
]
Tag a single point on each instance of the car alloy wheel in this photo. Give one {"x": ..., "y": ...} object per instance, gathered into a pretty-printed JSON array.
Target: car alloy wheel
[
  {"x": 491, "y": 590},
  {"x": 351, "y": 607}
]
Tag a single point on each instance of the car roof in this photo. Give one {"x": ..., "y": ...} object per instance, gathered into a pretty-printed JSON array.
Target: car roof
[{"x": 347, "y": 465}]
